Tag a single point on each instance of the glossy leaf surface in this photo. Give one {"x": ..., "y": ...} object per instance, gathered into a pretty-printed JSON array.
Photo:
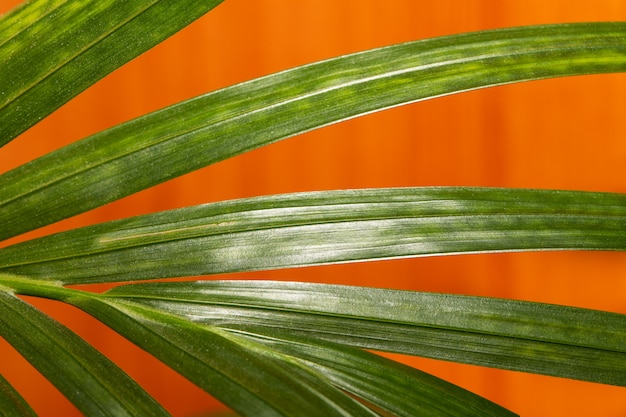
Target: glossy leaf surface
[
  {"x": 268, "y": 348},
  {"x": 219, "y": 125},
  {"x": 238, "y": 371},
  {"x": 320, "y": 228},
  {"x": 395, "y": 388},
  {"x": 257, "y": 373},
  {"x": 531, "y": 337}
]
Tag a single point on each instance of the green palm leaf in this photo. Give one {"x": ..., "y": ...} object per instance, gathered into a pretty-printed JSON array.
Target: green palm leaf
[
  {"x": 52, "y": 50},
  {"x": 93, "y": 383},
  {"x": 258, "y": 373},
  {"x": 398, "y": 389},
  {"x": 268, "y": 348},
  {"x": 320, "y": 228},
  {"x": 251, "y": 379},
  {"x": 219, "y": 125},
  {"x": 531, "y": 337}
]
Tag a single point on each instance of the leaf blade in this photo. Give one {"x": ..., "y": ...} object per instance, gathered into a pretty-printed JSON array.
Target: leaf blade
[
  {"x": 396, "y": 388},
  {"x": 531, "y": 337},
  {"x": 89, "y": 380},
  {"x": 323, "y": 227},
  {"x": 210, "y": 128},
  {"x": 84, "y": 37},
  {"x": 240, "y": 372}
]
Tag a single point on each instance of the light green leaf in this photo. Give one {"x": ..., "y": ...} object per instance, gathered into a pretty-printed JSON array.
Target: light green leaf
[
  {"x": 11, "y": 402},
  {"x": 52, "y": 50},
  {"x": 168, "y": 143},
  {"x": 553, "y": 340},
  {"x": 321, "y": 228},
  {"x": 94, "y": 384}
]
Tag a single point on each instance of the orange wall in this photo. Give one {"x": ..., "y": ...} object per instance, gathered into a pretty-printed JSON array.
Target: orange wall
[{"x": 566, "y": 134}]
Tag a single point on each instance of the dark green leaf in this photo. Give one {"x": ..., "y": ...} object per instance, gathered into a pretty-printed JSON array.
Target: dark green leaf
[
  {"x": 199, "y": 132},
  {"x": 244, "y": 374},
  {"x": 11, "y": 402},
  {"x": 320, "y": 228},
  {"x": 88, "y": 379},
  {"x": 396, "y": 388},
  {"x": 553, "y": 340},
  {"x": 52, "y": 50}
]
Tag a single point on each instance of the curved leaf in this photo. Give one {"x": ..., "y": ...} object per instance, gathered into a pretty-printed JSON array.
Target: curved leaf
[
  {"x": 242, "y": 373},
  {"x": 553, "y": 340},
  {"x": 396, "y": 388},
  {"x": 199, "y": 132},
  {"x": 94, "y": 384},
  {"x": 261, "y": 375},
  {"x": 320, "y": 228},
  {"x": 85, "y": 37}
]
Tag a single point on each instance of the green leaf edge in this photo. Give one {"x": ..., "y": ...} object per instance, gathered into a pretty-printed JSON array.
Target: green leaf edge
[
  {"x": 396, "y": 388},
  {"x": 12, "y": 403}
]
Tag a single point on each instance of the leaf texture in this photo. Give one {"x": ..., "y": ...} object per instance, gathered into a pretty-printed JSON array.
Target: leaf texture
[
  {"x": 321, "y": 228},
  {"x": 240, "y": 372},
  {"x": 391, "y": 386},
  {"x": 85, "y": 37},
  {"x": 95, "y": 385},
  {"x": 531, "y": 337},
  {"x": 185, "y": 137},
  {"x": 259, "y": 374}
]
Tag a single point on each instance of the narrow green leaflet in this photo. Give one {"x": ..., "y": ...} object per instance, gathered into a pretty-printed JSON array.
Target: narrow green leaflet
[
  {"x": 11, "y": 402},
  {"x": 259, "y": 374},
  {"x": 553, "y": 340},
  {"x": 320, "y": 228},
  {"x": 95, "y": 385},
  {"x": 244, "y": 374},
  {"x": 168, "y": 143},
  {"x": 52, "y": 50},
  {"x": 395, "y": 388}
]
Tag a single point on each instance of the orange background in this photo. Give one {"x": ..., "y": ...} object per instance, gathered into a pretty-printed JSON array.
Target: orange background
[{"x": 564, "y": 134}]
